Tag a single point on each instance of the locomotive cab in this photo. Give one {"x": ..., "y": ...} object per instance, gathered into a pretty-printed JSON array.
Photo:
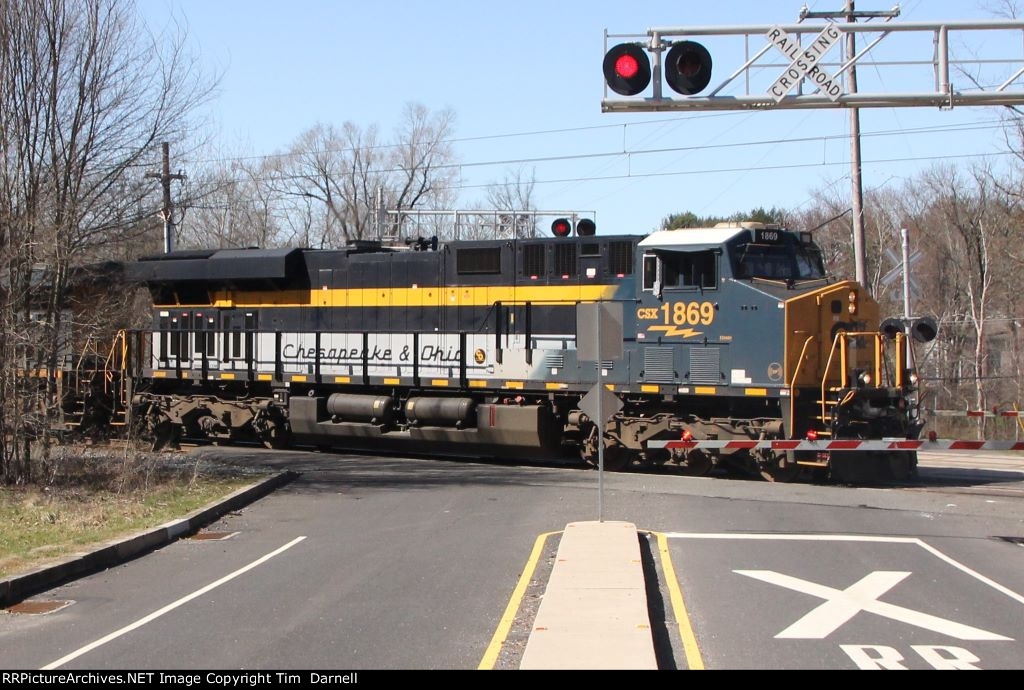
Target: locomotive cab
[{"x": 757, "y": 318}]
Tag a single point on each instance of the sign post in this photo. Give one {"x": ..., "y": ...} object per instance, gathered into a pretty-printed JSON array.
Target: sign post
[{"x": 599, "y": 336}]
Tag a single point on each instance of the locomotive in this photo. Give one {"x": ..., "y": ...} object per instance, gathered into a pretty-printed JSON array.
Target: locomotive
[{"x": 470, "y": 348}]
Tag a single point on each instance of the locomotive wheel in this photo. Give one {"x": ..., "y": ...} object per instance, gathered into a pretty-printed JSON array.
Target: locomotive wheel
[
  {"x": 167, "y": 436},
  {"x": 616, "y": 457},
  {"x": 696, "y": 464},
  {"x": 779, "y": 469},
  {"x": 275, "y": 439}
]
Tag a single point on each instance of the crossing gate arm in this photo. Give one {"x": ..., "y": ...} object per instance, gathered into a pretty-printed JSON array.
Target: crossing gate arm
[{"x": 886, "y": 445}]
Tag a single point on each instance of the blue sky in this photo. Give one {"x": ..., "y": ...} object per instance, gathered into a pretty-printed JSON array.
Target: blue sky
[{"x": 533, "y": 66}]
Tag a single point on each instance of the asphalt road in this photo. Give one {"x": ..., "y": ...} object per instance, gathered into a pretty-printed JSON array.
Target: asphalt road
[{"x": 376, "y": 562}]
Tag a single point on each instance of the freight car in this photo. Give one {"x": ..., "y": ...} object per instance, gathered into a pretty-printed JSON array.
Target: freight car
[{"x": 469, "y": 347}]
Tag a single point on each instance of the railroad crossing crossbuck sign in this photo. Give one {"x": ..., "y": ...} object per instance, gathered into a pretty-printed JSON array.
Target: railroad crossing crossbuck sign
[{"x": 805, "y": 63}]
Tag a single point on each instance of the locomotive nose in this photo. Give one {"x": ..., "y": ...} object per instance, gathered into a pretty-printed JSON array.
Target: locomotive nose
[{"x": 814, "y": 320}]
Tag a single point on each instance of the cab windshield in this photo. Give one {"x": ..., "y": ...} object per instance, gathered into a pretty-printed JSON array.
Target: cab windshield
[{"x": 788, "y": 260}]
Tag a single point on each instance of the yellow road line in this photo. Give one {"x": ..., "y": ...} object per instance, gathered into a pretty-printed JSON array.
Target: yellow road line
[
  {"x": 694, "y": 660},
  {"x": 505, "y": 624}
]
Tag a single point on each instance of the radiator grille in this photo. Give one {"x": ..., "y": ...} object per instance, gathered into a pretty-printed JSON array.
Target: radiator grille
[
  {"x": 658, "y": 365},
  {"x": 554, "y": 361},
  {"x": 705, "y": 365}
]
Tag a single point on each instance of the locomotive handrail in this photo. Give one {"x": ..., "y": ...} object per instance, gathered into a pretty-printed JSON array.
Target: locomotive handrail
[
  {"x": 828, "y": 366},
  {"x": 792, "y": 384},
  {"x": 841, "y": 341}
]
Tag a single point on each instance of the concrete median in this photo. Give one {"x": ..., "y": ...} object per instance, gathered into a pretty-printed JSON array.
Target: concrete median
[{"x": 594, "y": 611}]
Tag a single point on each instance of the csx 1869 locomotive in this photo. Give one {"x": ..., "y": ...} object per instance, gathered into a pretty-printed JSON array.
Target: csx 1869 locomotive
[{"x": 731, "y": 332}]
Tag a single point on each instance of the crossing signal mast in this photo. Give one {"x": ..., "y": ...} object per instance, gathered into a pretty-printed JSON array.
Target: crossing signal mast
[
  {"x": 806, "y": 77},
  {"x": 798, "y": 60}
]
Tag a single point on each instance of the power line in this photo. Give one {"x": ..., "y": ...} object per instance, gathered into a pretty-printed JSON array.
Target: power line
[
  {"x": 793, "y": 166},
  {"x": 483, "y": 137},
  {"x": 964, "y": 127},
  {"x": 706, "y": 171}
]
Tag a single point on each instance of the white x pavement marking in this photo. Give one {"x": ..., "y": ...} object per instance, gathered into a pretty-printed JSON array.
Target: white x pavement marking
[{"x": 842, "y": 605}]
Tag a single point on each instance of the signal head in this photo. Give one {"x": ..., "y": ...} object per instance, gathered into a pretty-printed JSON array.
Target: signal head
[
  {"x": 688, "y": 68},
  {"x": 627, "y": 69},
  {"x": 561, "y": 228},
  {"x": 585, "y": 227},
  {"x": 890, "y": 328},
  {"x": 924, "y": 330}
]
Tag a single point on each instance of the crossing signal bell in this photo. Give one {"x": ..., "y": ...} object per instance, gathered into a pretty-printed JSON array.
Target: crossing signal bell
[{"x": 687, "y": 68}]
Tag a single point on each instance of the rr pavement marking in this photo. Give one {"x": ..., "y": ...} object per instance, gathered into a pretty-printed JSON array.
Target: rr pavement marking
[
  {"x": 505, "y": 624},
  {"x": 857, "y": 538},
  {"x": 166, "y": 609},
  {"x": 842, "y": 605}
]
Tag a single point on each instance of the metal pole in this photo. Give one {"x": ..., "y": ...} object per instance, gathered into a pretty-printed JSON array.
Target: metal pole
[
  {"x": 857, "y": 200},
  {"x": 905, "y": 240},
  {"x": 656, "y": 51},
  {"x": 600, "y": 427}
]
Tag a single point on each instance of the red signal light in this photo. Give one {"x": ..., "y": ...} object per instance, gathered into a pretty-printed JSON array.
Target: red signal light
[
  {"x": 688, "y": 68},
  {"x": 627, "y": 69},
  {"x": 812, "y": 435},
  {"x": 626, "y": 66},
  {"x": 561, "y": 228}
]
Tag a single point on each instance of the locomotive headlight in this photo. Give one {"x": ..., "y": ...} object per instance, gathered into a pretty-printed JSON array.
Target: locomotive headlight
[
  {"x": 865, "y": 379},
  {"x": 853, "y": 302},
  {"x": 914, "y": 378}
]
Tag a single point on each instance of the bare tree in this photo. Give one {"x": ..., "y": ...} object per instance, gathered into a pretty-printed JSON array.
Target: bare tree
[
  {"x": 229, "y": 205},
  {"x": 85, "y": 93},
  {"x": 337, "y": 175},
  {"x": 510, "y": 195}
]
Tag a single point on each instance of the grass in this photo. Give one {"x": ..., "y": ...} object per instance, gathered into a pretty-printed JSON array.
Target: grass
[{"x": 40, "y": 524}]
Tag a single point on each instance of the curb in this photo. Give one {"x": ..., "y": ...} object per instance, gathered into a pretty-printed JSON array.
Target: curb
[{"x": 19, "y": 587}]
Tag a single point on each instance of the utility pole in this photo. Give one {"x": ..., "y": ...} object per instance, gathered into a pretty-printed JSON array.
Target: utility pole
[
  {"x": 850, "y": 13},
  {"x": 167, "y": 212},
  {"x": 857, "y": 196}
]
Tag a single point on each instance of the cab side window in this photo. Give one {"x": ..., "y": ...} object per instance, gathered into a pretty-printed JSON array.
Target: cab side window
[
  {"x": 690, "y": 270},
  {"x": 681, "y": 270},
  {"x": 650, "y": 271}
]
